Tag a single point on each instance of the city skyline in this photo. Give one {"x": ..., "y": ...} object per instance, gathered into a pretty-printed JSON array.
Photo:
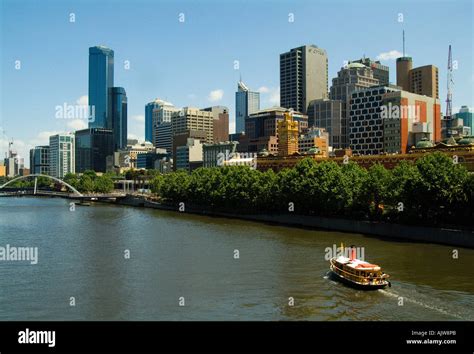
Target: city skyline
[{"x": 210, "y": 77}]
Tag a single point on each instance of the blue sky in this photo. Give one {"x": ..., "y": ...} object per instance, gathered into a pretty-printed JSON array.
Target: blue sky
[{"x": 191, "y": 63}]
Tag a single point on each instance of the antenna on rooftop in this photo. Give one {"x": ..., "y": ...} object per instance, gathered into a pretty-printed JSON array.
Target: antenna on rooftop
[{"x": 403, "y": 43}]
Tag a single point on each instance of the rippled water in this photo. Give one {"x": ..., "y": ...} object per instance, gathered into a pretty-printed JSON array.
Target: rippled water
[{"x": 81, "y": 255}]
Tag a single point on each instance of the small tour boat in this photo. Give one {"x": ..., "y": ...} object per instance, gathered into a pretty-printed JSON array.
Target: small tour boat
[{"x": 357, "y": 273}]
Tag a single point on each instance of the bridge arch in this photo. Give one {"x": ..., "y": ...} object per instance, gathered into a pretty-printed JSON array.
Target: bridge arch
[{"x": 41, "y": 175}]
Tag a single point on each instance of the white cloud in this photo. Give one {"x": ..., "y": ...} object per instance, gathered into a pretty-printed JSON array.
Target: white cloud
[
  {"x": 215, "y": 95},
  {"x": 263, "y": 89},
  {"x": 139, "y": 118},
  {"x": 77, "y": 124},
  {"x": 83, "y": 100},
  {"x": 274, "y": 98},
  {"x": 391, "y": 55}
]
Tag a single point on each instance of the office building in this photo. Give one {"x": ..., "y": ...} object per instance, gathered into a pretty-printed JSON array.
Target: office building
[
  {"x": 215, "y": 154},
  {"x": 303, "y": 77},
  {"x": 422, "y": 80},
  {"x": 380, "y": 71},
  {"x": 92, "y": 146},
  {"x": 365, "y": 123},
  {"x": 328, "y": 115},
  {"x": 149, "y": 160},
  {"x": 3, "y": 169},
  {"x": 61, "y": 155},
  {"x": 246, "y": 102},
  {"x": 261, "y": 128},
  {"x": 101, "y": 81},
  {"x": 163, "y": 137},
  {"x": 127, "y": 158},
  {"x": 160, "y": 112},
  {"x": 39, "y": 160},
  {"x": 189, "y": 156},
  {"x": 220, "y": 125},
  {"x": 119, "y": 117},
  {"x": 408, "y": 118},
  {"x": 467, "y": 117}
]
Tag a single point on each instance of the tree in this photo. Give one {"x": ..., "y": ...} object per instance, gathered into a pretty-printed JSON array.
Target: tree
[
  {"x": 103, "y": 184},
  {"x": 377, "y": 188},
  {"x": 156, "y": 183},
  {"x": 71, "y": 179},
  {"x": 86, "y": 184}
]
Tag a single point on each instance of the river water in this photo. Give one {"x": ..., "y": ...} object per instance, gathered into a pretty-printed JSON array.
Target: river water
[{"x": 180, "y": 259}]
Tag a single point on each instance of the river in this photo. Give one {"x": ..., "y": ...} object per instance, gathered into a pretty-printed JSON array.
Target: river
[{"x": 108, "y": 262}]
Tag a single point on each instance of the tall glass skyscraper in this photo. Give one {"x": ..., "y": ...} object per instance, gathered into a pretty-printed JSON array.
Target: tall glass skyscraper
[
  {"x": 119, "y": 117},
  {"x": 101, "y": 80},
  {"x": 246, "y": 103}
]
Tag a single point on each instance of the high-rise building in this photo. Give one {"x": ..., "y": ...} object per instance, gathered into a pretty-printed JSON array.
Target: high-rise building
[
  {"x": 246, "y": 102},
  {"x": 333, "y": 114},
  {"x": 380, "y": 71},
  {"x": 261, "y": 129},
  {"x": 422, "y": 80},
  {"x": 39, "y": 160},
  {"x": 404, "y": 66},
  {"x": 101, "y": 80},
  {"x": 328, "y": 115},
  {"x": 92, "y": 147},
  {"x": 303, "y": 77},
  {"x": 61, "y": 155},
  {"x": 409, "y": 118},
  {"x": 220, "y": 125},
  {"x": 119, "y": 117},
  {"x": 287, "y": 130},
  {"x": 191, "y": 122},
  {"x": 164, "y": 137},
  {"x": 215, "y": 154},
  {"x": 365, "y": 124},
  {"x": 467, "y": 117},
  {"x": 156, "y": 112}
]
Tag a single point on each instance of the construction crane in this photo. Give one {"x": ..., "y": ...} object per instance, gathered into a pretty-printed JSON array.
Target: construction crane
[{"x": 450, "y": 83}]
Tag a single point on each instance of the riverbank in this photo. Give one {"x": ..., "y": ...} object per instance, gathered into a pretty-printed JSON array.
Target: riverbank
[{"x": 462, "y": 238}]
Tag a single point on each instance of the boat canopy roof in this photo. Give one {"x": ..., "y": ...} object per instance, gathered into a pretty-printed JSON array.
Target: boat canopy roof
[{"x": 357, "y": 263}]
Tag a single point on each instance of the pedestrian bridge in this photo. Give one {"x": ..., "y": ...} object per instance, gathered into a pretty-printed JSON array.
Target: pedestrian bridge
[{"x": 75, "y": 194}]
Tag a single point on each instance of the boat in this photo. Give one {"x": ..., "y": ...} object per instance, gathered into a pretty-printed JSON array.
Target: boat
[{"x": 358, "y": 273}]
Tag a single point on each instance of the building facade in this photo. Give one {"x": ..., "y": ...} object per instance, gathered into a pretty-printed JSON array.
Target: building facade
[
  {"x": 246, "y": 102},
  {"x": 213, "y": 153},
  {"x": 287, "y": 130},
  {"x": 261, "y": 128},
  {"x": 328, "y": 115},
  {"x": 365, "y": 123},
  {"x": 303, "y": 77},
  {"x": 39, "y": 160},
  {"x": 220, "y": 124},
  {"x": 380, "y": 72},
  {"x": 163, "y": 137},
  {"x": 101, "y": 81},
  {"x": 161, "y": 113},
  {"x": 119, "y": 117},
  {"x": 61, "y": 155},
  {"x": 409, "y": 118},
  {"x": 314, "y": 137},
  {"x": 92, "y": 147},
  {"x": 189, "y": 156},
  {"x": 467, "y": 117},
  {"x": 422, "y": 80}
]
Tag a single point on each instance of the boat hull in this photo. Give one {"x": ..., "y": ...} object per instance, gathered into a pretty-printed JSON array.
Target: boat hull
[{"x": 354, "y": 285}]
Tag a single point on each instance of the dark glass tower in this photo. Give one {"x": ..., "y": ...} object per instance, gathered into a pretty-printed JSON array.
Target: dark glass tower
[
  {"x": 101, "y": 80},
  {"x": 119, "y": 117},
  {"x": 92, "y": 148}
]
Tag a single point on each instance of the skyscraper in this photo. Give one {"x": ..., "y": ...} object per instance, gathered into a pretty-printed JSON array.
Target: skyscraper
[
  {"x": 61, "y": 155},
  {"x": 161, "y": 113},
  {"x": 39, "y": 159},
  {"x": 381, "y": 72},
  {"x": 101, "y": 80},
  {"x": 422, "y": 80},
  {"x": 220, "y": 125},
  {"x": 246, "y": 103},
  {"x": 150, "y": 120},
  {"x": 303, "y": 77},
  {"x": 119, "y": 117}
]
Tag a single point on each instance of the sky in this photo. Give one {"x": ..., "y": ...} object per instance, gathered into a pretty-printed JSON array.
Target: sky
[{"x": 192, "y": 53}]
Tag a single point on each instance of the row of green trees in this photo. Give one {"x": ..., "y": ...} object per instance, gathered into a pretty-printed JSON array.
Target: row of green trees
[
  {"x": 433, "y": 190},
  {"x": 89, "y": 182}
]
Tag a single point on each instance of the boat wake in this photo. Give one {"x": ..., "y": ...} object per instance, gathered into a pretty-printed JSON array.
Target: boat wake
[{"x": 424, "y": 304}]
